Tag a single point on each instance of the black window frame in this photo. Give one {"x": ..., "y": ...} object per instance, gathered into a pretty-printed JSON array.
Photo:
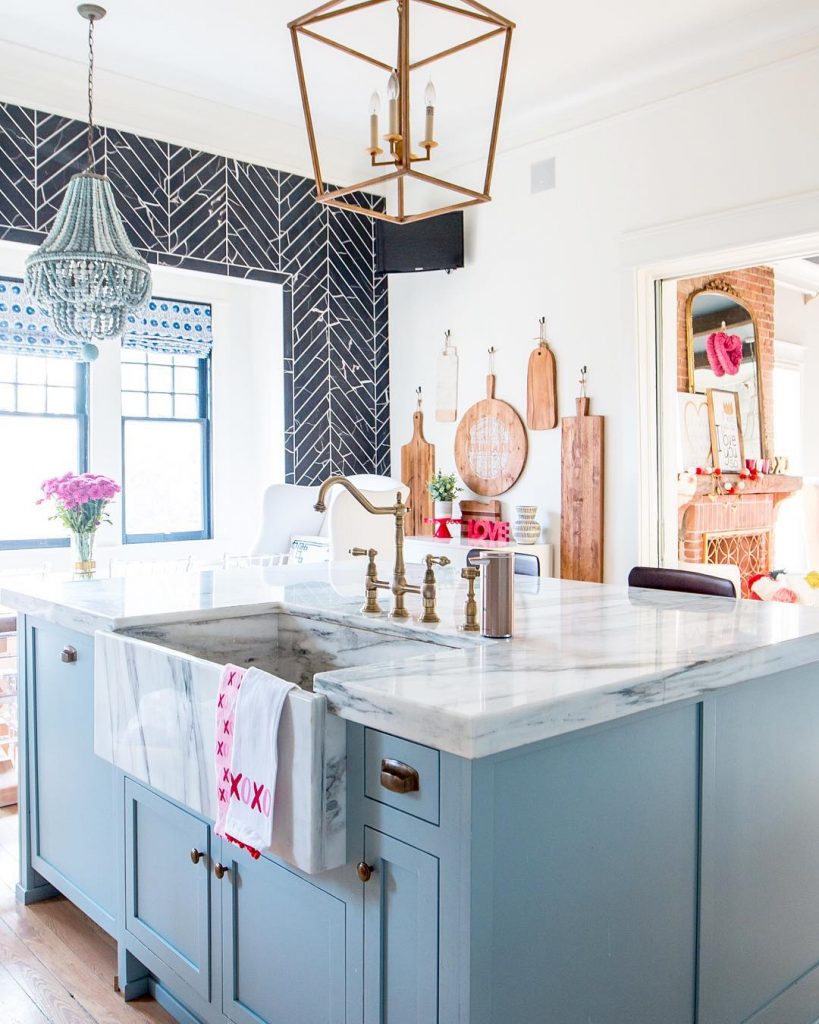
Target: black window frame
[{"x": 204, "y": 371}]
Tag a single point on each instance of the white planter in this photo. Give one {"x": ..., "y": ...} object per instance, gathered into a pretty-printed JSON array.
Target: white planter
[
  {"x": 526, "y": 529},
  {"x": 443, "y": 510}
]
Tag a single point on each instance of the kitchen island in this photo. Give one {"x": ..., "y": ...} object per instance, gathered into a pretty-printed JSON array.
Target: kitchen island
[{"x": 613, "y": 818}]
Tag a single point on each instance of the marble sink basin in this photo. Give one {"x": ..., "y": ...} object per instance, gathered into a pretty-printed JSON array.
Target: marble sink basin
[
  {"x": 287, "y": 644},
  {"x": 155, "y": 689}
]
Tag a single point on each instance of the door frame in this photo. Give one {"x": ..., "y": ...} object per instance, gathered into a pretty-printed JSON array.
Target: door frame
[{"x": 727, "y": 240}]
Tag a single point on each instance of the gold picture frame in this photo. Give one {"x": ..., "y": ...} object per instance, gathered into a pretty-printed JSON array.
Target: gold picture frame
[{"x": 725, "y": 421}]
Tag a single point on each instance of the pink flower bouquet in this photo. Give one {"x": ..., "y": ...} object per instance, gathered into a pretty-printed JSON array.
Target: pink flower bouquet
[{"x": 80, "y": 504}]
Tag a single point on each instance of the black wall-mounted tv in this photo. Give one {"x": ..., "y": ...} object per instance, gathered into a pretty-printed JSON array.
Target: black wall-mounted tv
[{"x": 433, "y": 244}]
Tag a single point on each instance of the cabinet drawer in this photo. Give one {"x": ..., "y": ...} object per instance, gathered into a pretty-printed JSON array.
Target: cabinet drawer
[
  {"x": 167, "y": 874},
  {"x": 402, "y": 763}
]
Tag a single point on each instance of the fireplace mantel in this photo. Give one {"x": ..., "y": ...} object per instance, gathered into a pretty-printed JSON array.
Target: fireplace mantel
[{"x": 733, "y": 527}]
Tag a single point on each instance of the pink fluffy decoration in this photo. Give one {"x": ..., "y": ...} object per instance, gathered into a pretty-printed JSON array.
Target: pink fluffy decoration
[{"x": 724, "y": 353}]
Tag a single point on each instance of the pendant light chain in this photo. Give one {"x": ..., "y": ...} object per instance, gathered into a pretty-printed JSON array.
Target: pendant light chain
[{"x": 91, "y": 21}]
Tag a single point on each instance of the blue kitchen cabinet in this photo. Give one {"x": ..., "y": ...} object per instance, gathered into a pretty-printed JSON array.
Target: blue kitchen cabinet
[
  {"x": 227, "y": 937},
  {"x": 168, "y": 861},
  {"x": 67, "y": 794},
  {"x": 400, "y": 933},
  {"x": 285, "y": 948}
]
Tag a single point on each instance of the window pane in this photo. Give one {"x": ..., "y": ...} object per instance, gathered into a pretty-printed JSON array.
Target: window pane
[
  {"x": 186, "y": 361},
  {"x": 30, "y": 397},
  {"x": 160, "y": 358},
  {"x": 134, "y": 355},
  {"x": 186, "y": 407},
  {"x": 163, "y": 483},
  {"x": 34, "y": 448},
  {"x": 60, "y": 400},
  {"x": 7, "y": 368},
  {"x": 160, "y": 378},
  {"x": 133, "y": 377},
  {"x": 160, "y": 405},
  {"x": 7, "y": 397},
  {"x": 31, "y": 370},
  {"x": 134, "y": 403},
  {"x": 186, "y": 380},
  {"x": 62, "y": 372}
]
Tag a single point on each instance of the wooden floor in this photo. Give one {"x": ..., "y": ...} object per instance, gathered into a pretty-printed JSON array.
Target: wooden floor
[{"x": 56, "y": 965}]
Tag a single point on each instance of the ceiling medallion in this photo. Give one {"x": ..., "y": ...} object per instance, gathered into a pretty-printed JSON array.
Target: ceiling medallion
[
  {"x": 394, "y": 150},
  {"x": 86, "y": 274}
]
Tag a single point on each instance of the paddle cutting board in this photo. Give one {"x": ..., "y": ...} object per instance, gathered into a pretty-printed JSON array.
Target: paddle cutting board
[
  {"x": 541, "y": 390},
  {"x": 446, "y": 386},
  {"x": 417, "y": 469},
  {"x": 581, "y": 497},
  {"x": 490, "y": 445}
]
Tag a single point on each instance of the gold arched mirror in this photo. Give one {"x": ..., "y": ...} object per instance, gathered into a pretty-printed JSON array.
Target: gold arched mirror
[{"x": 723, "y": 353}]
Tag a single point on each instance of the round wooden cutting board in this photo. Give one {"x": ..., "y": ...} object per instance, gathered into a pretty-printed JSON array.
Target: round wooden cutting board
[{"x": 490, "y": 445}]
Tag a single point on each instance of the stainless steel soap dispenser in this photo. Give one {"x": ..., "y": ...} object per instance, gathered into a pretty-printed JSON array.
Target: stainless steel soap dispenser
[{"x": 497, "y": 593}]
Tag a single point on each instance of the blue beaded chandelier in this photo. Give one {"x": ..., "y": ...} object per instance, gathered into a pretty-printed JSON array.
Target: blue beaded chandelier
[{"x": 86, "y": 274}]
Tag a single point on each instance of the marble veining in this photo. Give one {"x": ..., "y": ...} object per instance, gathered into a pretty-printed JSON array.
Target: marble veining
[{"x": 583, "y": 654}]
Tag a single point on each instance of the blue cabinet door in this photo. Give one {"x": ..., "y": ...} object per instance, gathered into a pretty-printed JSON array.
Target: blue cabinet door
[
  {"x": 759, "y": 912},
  {"x": 400, "y": 933},
  {"x": 283, "y": 941},
  {"x": 71, "y": 803},
  {"x": 167, "y": 877}
]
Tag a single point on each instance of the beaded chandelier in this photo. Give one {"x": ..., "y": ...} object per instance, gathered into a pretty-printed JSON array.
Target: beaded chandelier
[{"x": 86, "y": 274}]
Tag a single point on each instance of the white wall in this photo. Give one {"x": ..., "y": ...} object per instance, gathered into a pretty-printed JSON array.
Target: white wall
[
  {"x": 798, "y": 324},
  {"x": 247, "y": 417},
  {"x": 558, "y": 254}
]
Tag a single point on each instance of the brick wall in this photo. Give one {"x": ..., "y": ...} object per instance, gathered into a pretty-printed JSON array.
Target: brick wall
[{"x": 755, "y": 290}]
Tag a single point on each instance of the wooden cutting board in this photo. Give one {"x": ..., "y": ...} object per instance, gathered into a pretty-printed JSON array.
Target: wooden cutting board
[
  {"x": 446, "y": 385},
  {"x": 581, "y": 497},
  {"x": 541, "y": 389},
  {"x": 417, "y": 469},
  {"x": 490, "y": 445}
]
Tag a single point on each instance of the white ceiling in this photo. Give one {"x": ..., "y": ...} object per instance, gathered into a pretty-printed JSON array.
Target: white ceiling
[{"x": 570, "y": 61}]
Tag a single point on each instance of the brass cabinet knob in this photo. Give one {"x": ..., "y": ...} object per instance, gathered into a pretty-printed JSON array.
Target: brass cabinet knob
[
  {"x": 364, "y": 871},
  {"x": 196, "y": 855},
  {"x": 398, "y": 777},
  {"x": 68, "y": 653},
  {"x": 220, "y": 870}
]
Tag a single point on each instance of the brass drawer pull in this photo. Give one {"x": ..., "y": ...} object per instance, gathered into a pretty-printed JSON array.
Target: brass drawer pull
[
  {"x": 364, "y": 871},
  {"x": 196, "y": 855},
  {"x": 398, "y": 777},
  {"x": 220, "y": 871},
  {"x": 68, "y": 653}
]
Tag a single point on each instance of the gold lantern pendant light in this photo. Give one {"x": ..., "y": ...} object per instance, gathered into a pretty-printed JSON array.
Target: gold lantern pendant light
[
  {"x": 87, "y": 274},
  {"x": 398, "y": 158}
]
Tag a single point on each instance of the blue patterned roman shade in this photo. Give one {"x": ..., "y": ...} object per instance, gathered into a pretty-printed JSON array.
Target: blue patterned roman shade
[
  {"x": 172, "y": 326},
  {"x": 25, "y": 330}
]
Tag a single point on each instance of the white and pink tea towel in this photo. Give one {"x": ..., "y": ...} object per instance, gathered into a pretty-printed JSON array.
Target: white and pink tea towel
[{"x": 248, "y": 712}]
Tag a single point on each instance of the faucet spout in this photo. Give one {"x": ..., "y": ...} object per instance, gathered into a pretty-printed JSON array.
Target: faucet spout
[{"x": 362, "y": 499}]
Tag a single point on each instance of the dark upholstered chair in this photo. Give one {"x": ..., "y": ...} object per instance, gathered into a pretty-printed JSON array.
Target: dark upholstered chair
[
  {"x": 525, "y": 565},
  {"x": 680, "y": 580}
]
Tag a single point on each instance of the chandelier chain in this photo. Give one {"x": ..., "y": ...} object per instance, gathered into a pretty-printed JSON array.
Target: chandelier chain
[{"x": 91, "y": 21}]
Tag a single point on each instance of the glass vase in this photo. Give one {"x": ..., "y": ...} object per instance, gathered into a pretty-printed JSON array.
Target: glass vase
[{"x": 82, "y": 550}]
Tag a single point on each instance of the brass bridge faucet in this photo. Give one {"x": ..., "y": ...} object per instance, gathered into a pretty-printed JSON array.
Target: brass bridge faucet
[{"x": 398, "y": 586}]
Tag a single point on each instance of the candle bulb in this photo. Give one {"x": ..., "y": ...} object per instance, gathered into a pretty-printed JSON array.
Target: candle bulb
[
  {"x": 375, "y": 110},
  {"x": 429, "y": 101},
  {"x": 392, "y": 96}
]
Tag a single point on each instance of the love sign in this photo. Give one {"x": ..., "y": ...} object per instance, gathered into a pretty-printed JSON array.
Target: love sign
[{"x": 487, "y": 529}]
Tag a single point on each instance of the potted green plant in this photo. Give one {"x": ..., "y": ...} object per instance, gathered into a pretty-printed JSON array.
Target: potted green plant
[{"x": 443, "y": 487}]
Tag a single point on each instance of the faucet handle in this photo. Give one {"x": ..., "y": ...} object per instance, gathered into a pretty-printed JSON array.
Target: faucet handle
[
  {"x": 470, "y": 573},
  {"x": 371, "y": 605},
  {"x": 436, "y": 560}
]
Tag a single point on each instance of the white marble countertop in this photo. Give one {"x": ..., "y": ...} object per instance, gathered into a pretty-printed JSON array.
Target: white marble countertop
[{"x": 583, "y": 654}]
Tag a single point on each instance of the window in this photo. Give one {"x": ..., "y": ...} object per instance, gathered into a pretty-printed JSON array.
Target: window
[
  {"x": 43, "y": 433},
  {"x": 165, "y": 446}
]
